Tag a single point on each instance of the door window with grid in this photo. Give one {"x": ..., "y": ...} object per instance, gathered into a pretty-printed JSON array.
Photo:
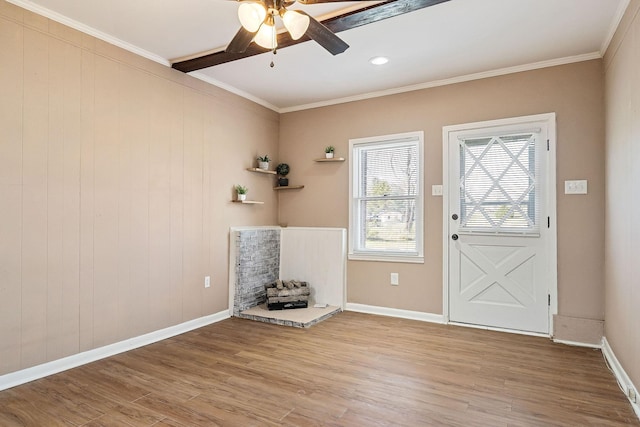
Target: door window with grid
[
  {"x": 498, "y": 184},
  {"x": 386, "y": 198}
]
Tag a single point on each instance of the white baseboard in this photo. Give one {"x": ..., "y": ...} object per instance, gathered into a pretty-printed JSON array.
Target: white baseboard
[
  {"x": 577, "y": 344},
  {"x": 620, "y": 374},
  {"x": 40, "y": 371},
  {"x": 496, "y": 329},
  {"x": 395, "y": 312}
]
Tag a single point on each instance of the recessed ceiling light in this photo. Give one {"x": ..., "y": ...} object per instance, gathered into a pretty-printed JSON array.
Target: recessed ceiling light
[{"x": 379, "y": 60}]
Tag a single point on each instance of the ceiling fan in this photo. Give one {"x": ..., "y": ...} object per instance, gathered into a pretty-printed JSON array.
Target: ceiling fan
[
  {"x": 257, "y": 18},
  {"x": 322, "y": 32}
]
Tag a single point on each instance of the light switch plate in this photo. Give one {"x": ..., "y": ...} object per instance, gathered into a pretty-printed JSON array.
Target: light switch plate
[
  {"x": 436, "y": 190},
  {"x": 575, "y": 187}
]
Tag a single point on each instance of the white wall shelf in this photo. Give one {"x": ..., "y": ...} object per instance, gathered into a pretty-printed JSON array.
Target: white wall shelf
[{"x": 248, "y": 202}]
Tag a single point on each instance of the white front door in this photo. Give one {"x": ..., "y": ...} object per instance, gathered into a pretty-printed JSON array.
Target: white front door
[{"x": 500, "y": 271}]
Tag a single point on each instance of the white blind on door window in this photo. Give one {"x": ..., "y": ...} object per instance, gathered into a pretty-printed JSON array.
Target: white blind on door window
[{"x": 499, "y": 184}]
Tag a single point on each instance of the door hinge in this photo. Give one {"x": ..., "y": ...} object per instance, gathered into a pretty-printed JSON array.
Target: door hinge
[
  {"x": 548, "y": 222},
  {"x": 547, "y": 145},
  {"x": 549, "y": 300}
]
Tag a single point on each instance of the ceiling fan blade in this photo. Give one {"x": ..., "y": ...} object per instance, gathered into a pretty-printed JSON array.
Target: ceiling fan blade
[
  {"x": 324, "y": 1},
  {"x": 240, "y": 42},
  {"x": 324, "y": 36}
]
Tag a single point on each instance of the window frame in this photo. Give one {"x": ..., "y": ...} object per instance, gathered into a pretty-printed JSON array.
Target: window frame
[{"x": 355, "y": 252}]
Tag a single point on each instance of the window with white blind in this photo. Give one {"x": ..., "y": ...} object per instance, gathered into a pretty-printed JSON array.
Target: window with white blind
[{"x": 386, "y": 198}]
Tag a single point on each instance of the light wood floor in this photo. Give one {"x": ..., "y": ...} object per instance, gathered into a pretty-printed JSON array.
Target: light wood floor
[{"x": 351, "y": 370}]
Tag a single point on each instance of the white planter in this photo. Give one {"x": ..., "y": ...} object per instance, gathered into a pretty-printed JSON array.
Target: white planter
[
  {"x": 263, "y": 165},
  {"x": 328, "y": 155},
  {"x": 242, "y": 197}
]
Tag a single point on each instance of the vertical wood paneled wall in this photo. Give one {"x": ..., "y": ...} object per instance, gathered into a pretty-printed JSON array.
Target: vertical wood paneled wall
[
  {"x": 317, "y": 255},
  {"x": 116, "y": 177}
]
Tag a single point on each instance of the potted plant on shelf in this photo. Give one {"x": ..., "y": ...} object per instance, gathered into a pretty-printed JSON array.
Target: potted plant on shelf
[
  {"x": 263, "y": 162},
  {"x": 242, "y": 192},
  {"x": 283, "y": 170},
  {"x": 328, "y": 151}
]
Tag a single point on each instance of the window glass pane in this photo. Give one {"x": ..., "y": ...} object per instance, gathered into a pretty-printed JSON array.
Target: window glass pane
[
  {"x": 390, "y": 225},
  {"x": 389, "y": 171},
  {"x": 498, "y": 183}
]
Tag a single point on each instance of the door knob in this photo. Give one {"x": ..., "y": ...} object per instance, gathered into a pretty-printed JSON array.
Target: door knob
[
  {"x": 454, "y": 237},
  {"x": 454, "y": 216}
]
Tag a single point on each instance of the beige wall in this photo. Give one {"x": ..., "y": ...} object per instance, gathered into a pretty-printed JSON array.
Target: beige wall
[
  {"x": 622, "y": 63},
  {"x": 116, "y": 177},
  {"x": 574, "y": 92}
]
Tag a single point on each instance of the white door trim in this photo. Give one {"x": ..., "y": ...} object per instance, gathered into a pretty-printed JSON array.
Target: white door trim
[{"x": 552, "y": 249}]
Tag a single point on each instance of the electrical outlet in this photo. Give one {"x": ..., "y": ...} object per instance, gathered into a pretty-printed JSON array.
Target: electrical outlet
[
  {"x": 394, "y": 279},
  {"x": 207, "y": 281},
  {"x": 436, "y": 190}
]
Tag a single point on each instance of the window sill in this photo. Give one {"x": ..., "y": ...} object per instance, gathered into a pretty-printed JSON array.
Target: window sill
[{"x": 386, "y": 258}]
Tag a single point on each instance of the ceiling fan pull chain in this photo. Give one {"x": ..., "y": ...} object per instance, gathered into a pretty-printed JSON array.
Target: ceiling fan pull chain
[{"x": 274, "y": 51}]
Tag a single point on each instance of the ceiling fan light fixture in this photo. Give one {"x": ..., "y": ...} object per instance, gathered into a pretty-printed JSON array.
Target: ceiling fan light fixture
[
  {"x": 295, "y": 22},
  {"x": 266, "y": 36},
  {"x": 251, "y": 16}
]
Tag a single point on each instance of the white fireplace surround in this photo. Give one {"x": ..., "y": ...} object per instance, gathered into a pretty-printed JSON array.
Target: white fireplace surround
[{"x": 316, "y": 255}]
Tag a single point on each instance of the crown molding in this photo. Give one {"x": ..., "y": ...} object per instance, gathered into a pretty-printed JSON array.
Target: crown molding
[
  {"x": 233, "y": 89},
  {"x": 450, "y": 81},
  {"x": 55, "y": 16}
]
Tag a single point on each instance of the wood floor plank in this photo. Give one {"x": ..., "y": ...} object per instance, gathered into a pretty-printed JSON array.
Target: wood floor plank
[
  {"x": 168, "y": 422},
  {"x": 351, "y": 370},
  {"x": 16, "y": 410},
  {"x": 129, "y": 413},
  {"x": 57, "y": 404}
]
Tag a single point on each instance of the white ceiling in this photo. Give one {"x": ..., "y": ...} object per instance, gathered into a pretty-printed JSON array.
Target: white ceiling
[{"x": 453, "y": 41}]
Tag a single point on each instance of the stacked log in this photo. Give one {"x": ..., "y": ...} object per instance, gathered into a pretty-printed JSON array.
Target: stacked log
[{"x": 287, "y": 294}]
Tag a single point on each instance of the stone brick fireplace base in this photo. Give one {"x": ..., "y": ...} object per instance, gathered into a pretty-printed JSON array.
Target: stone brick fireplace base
[
  {"x": 261, "y": 255},
  {"x": 299, "y": 318}
]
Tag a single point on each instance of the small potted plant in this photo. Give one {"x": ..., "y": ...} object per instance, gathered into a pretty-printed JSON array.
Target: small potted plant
[
  {"x": 242, "y": 192},
  {"x": 263, "y": 162},
  {"x": 328, "y": 151},
  {"x": 283, "y": 170}
]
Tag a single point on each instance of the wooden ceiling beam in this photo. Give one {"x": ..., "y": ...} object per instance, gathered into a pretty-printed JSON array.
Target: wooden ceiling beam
[{"x": 353, "y": 19}]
